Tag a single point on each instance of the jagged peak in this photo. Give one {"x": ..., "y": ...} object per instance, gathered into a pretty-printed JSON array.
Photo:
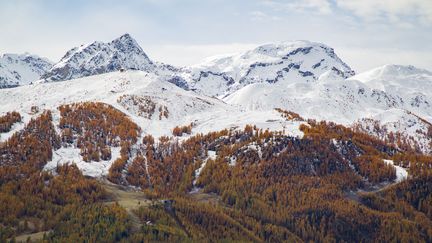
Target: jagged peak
[
  {"x": 122, "y": 43},
  {"x": 100, "y": 57},
  {"x": 126, "y": 42},
  {"x": 124, "y": 37}
]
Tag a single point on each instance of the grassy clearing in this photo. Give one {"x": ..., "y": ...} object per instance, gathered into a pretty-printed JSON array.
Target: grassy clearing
[{"x": 33, "y": 237}]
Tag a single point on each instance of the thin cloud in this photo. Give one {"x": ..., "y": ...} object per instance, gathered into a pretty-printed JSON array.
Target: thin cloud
[
  {"x": 258, "y": 15},
  {"x": 393, "y": 11},
  {"x": 312, "y": 6},
  {"x": 261, "y": 16}
]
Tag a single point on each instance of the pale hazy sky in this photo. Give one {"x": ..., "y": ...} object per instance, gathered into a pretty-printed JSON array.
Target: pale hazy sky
[{"x": 364, "y": 33}]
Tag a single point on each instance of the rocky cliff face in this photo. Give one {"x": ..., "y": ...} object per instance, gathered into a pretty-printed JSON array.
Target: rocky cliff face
[{"x": 98, "y": 57}]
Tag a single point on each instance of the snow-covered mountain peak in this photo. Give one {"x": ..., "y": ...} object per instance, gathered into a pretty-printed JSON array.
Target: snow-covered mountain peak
[
  {"x": 392, "y": 70},
  {"x": 12, "y": 56},
  {"x": 21, "y": 69},
  {"x": 285, "y": 47},
  {"x": 283, "y": 62},
  {"x": 399, "y": 79},
  {"x": 99, "y": 57},
  {"x": 126, "y": 43},
  {"x": 26, "y": 57}
]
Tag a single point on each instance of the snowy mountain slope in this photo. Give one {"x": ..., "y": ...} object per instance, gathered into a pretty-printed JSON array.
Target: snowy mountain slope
[
  {"x": 305, "y": 77},
  {"x": 98, "y": 57},
  {"x": 397, "y": 78},
  {"x": 412, "y": 84},
  {"x": 389, "y": 99},
  {"x": 16, "y": 70},
  {"x": 132, "y": 92},
  {"x": 286, "y": 62},
  {"x": 330, "y": 98},
  {"x": 390, "y": 124},
  {"x": 144, "y": 97}
]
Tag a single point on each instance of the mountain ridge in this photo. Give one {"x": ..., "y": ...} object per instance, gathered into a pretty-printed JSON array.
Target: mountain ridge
[
  {"x": 21, "y": 69},
  {"x": 269, "y": 63},
  {"x": 99, "y": 57},
  {"x": 301, "y": 76}
]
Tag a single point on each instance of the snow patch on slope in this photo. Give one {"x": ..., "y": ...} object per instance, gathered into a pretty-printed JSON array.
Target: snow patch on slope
[
  {"x": 25, "y": 118},
  {"x": 401, "y": 173},
  {"x": 72, "y": 155},
  {"x": 211, "y": 155}
]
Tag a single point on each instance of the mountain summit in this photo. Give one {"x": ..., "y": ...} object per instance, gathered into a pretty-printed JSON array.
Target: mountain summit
[
  {"x": 99, "y": 57},
  {"x": 16, "y": 70},
  {"x": 285, "y": 62}
]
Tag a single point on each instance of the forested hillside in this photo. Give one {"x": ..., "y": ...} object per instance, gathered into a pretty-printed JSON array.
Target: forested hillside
[{"x": 241, "y": 184}]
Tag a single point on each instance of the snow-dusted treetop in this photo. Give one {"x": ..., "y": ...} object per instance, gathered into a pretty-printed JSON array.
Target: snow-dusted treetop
[{"x": 99, "y": 57}]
